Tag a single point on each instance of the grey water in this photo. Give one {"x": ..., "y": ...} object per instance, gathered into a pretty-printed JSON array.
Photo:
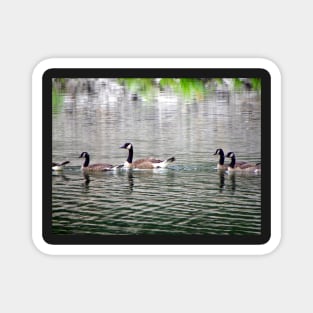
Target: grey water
[{"x": 190, "y": 196}]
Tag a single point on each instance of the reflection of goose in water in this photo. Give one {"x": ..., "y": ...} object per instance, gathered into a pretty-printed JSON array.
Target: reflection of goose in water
[
  {"x": 222, "y": 180},
  {"x": 59, "y": 175},
  {"x": 86, "y": 178},
  {"x": 130, "y": 181},
  {"x": 245, "y": 167},
  {"x": 96, "y": 167},
  {"x": 233, "y": 182},
  {"x": 59, "y": 166},
  {"x": 138, "y": 179},
  {"x": 148, "y": 163}
]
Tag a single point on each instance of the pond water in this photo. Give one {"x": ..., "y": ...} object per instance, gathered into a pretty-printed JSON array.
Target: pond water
[{"x": 188, "y": 197}]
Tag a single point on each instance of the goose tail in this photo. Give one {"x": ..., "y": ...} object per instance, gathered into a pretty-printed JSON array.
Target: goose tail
[
  {"x": 165, "y": 163},
  {"x": 170, "y": 160}
]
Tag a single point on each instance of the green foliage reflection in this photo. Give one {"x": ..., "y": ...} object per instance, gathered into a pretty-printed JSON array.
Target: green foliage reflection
[
  {"x": 188, "y": 88},
  {"x": 57, "y": 100}
]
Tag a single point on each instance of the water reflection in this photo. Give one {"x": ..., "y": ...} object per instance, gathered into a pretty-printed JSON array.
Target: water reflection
[
  {"x": 59, "y": 175},
  {"x": 232, "y": 178},
  {"x": 86, "y": 179},
  {"x": 130, "y": 177},
  {"x": 230, "y": 182},
  {"x": 222, "y": 180}
]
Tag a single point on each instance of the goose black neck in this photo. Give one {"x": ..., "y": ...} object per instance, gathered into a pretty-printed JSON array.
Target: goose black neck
[
  {"x": 130, "y": 155},
  {"x": 86, "y": 162},
  {"x": 233, "y": 161},
  {"x": 222, "y": 158}
]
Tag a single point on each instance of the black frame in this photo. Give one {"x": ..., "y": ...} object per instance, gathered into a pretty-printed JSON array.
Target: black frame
[{"x": 54, "y": 239}]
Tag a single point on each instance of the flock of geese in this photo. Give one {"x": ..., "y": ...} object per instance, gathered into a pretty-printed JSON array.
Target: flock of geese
[
  {"x": 152, "y": 163},
  {"x": 235, "y": 166}
]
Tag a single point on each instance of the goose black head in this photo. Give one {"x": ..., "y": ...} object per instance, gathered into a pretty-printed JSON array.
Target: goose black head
[
  {"x": 127, "y": 145},
  {"x": 230, "y": 155},
  {"x": 84, "y": 155},
  {"x": 219, "y": 151}
]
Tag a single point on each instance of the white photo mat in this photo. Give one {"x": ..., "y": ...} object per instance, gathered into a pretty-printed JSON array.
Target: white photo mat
[{"x": 133, "y": 249}]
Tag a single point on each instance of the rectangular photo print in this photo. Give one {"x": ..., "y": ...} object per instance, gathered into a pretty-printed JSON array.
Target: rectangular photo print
[{"x": 149, "y": 157}]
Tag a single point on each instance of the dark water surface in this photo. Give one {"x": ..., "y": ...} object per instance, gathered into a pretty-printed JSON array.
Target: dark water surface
[{"x": 189, "y": 197}]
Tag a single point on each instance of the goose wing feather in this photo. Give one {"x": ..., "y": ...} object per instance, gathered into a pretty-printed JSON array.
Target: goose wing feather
[
  {"x": 99, "y": 167},
  {"x": 143, "y": 164}
]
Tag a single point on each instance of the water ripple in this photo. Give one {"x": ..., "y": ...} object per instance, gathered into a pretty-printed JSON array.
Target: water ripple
[{"x": 184, "y": 200}]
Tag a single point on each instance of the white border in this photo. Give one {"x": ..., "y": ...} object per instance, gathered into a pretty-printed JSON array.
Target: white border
[{"x": 156, "y": 249}]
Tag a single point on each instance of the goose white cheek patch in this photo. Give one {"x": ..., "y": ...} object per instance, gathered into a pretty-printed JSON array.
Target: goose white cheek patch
[{"x": 187, "y": 110}]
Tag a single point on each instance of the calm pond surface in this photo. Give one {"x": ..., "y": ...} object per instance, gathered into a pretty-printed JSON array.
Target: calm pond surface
[{"x": 190, "y": 196}]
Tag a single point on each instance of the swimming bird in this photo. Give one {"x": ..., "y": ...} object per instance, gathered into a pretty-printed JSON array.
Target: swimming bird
[
  {"x": 220, "y": 164},
  {"x": 148, "y": 163},
  {"x": 59, "y": 166},
  {"x": 245, "y": 167},
  {"x": 96, "y": 167}
]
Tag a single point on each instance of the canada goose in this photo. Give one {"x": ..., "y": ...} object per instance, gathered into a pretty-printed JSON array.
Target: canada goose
[
  {"x": 96, "y": 167},
  {"x": 220, "y": 164},
  {"x": 59, "y": 166},
  {"x": 148, "y": 163},
  {"x": 245, "y": 167}
]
